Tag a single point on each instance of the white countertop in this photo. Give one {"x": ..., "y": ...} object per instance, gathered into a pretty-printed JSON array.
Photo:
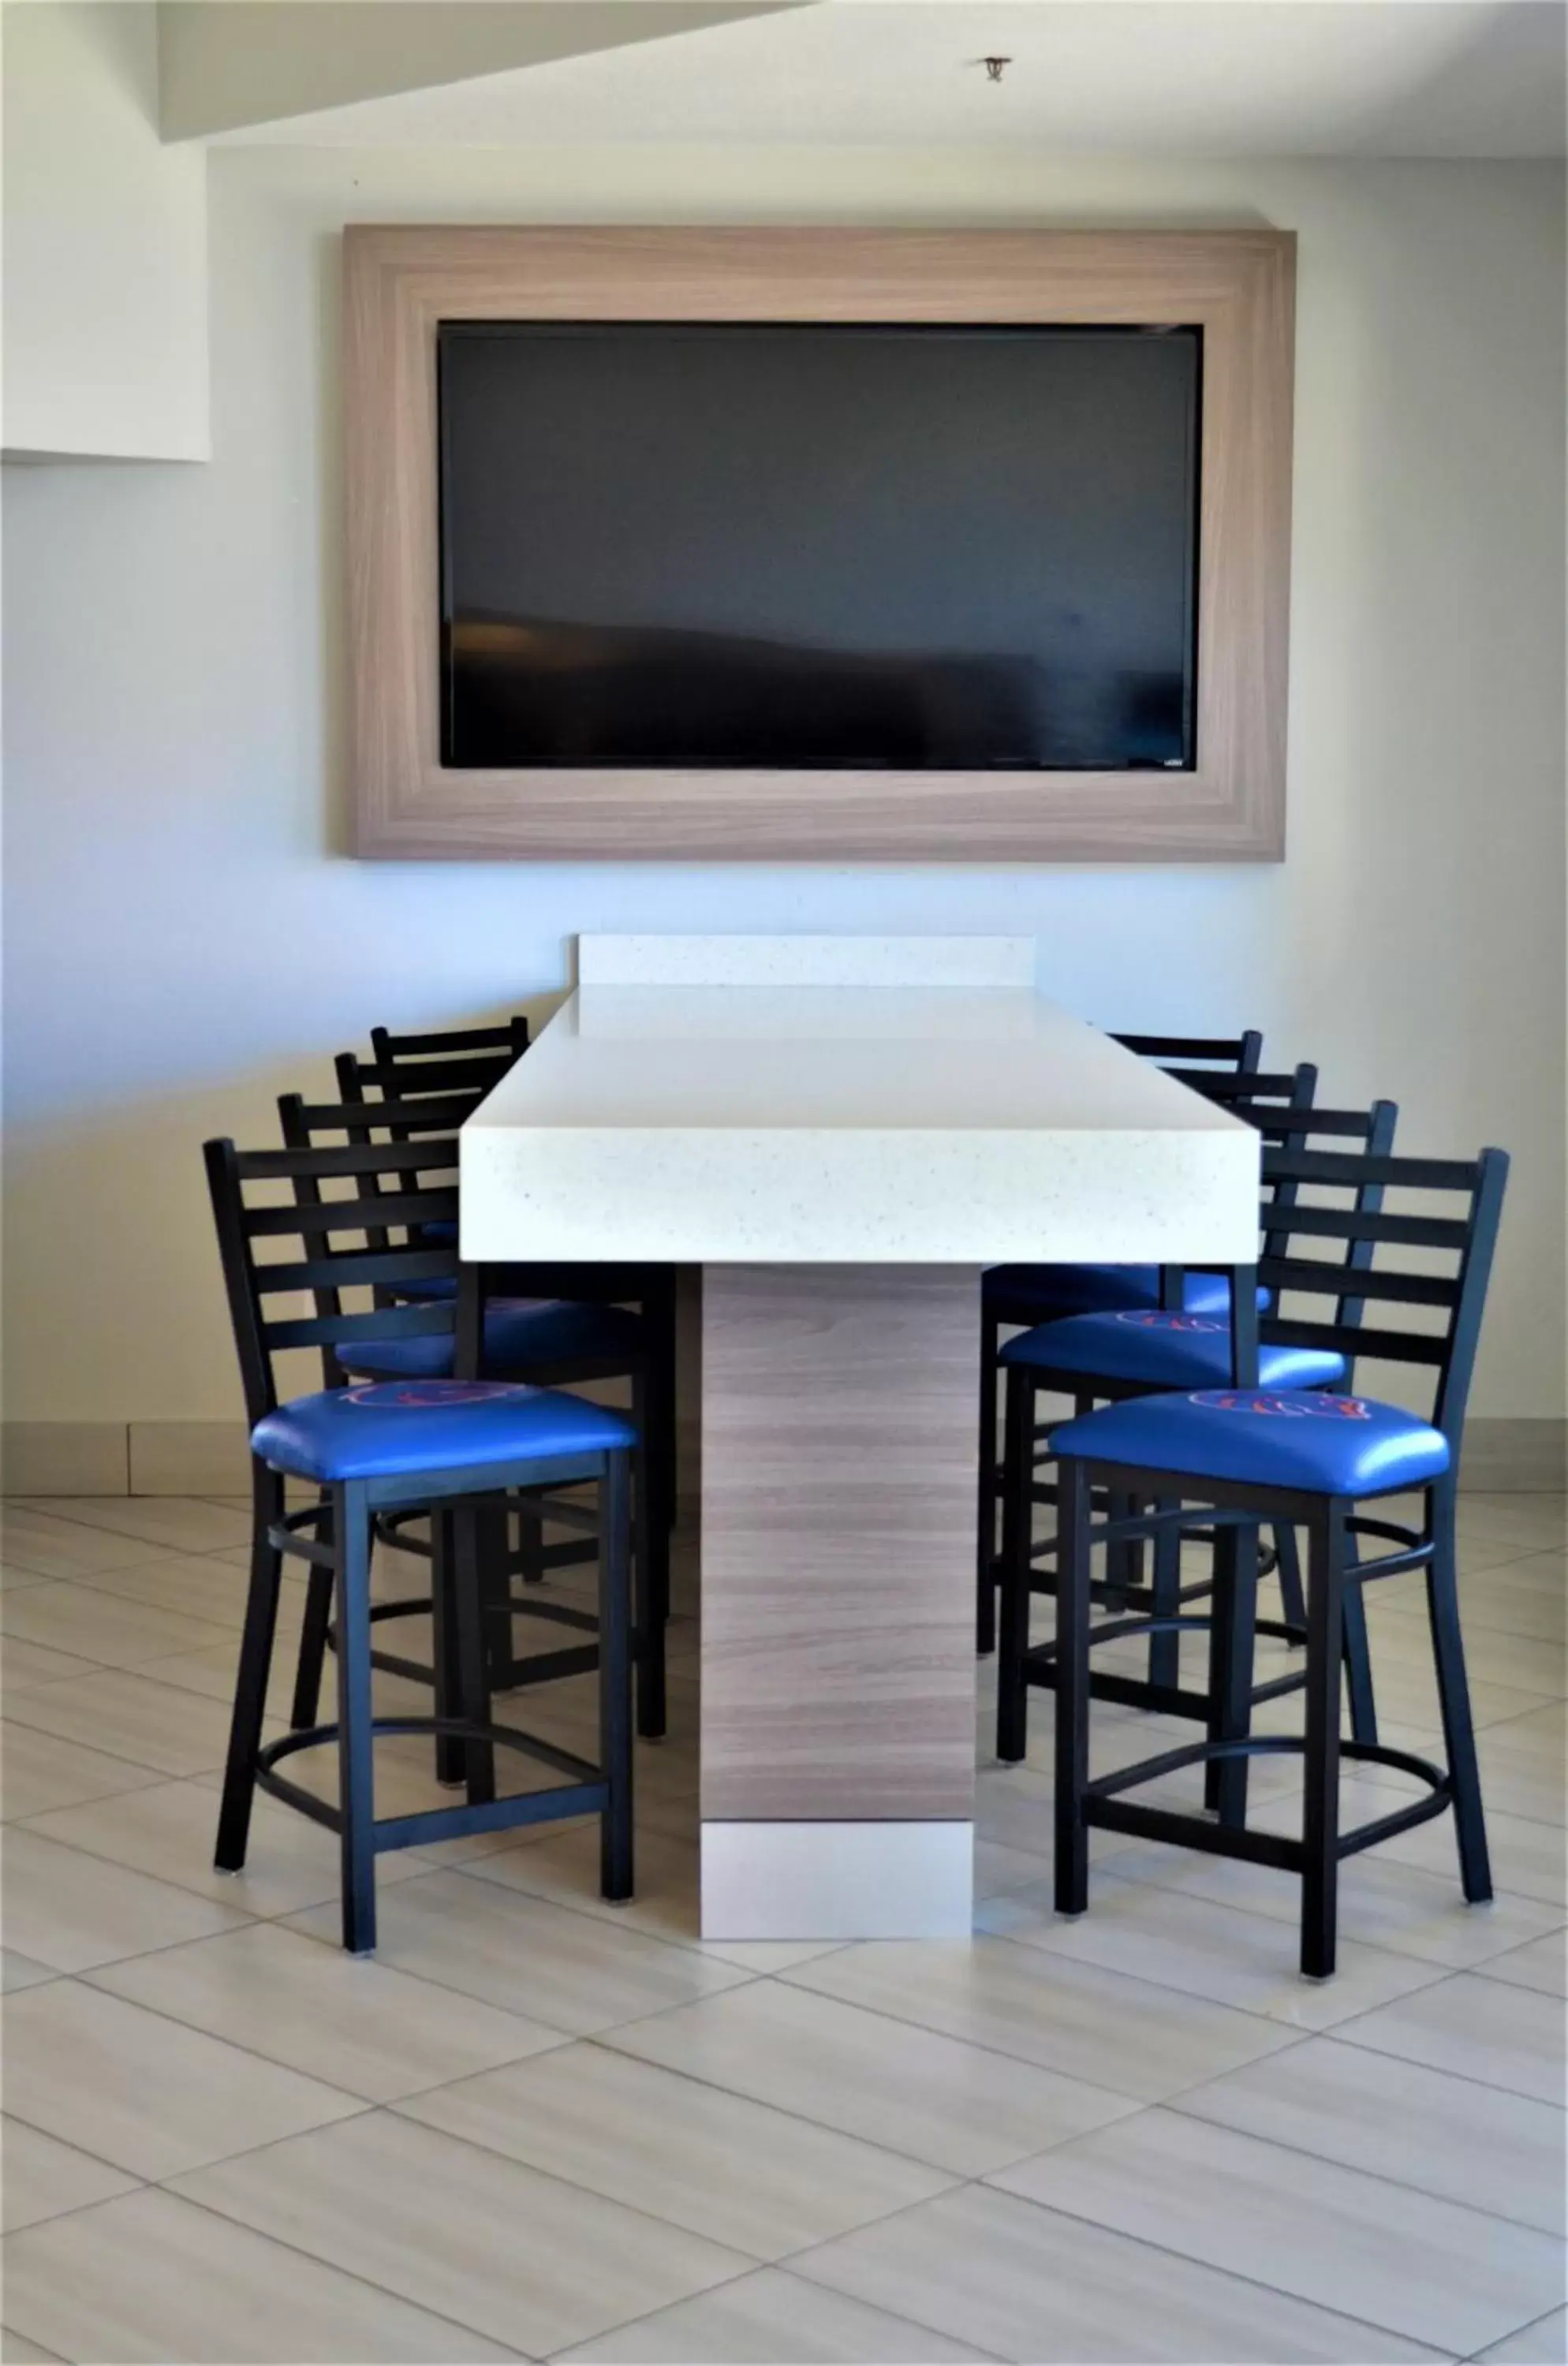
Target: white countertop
[{"x": 870, "y": 1122}]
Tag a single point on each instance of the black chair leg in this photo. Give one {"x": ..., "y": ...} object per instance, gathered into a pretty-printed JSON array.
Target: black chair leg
[
  {"x": 1018, "y": 1522},
  {"x": 256, "y": 1666},
  {"x": 1232, "y": 1638},
  {"x": 451, "y": 1765},
  {"x": 1453, "y": 1694},
  {"x": 479, "y": 1570},
  {"x": 1320, "y": 1823},
  {"x": 313, "y": 1632},
  {"x": 986, "y": 1509},
  {"x": 1072, "y": 1688},
  {"x": 1357, "y": 1654},
  {"x": 1293, "y": 1601},
  {"x": 1164, "y": 1651},
  {"x": 650, "y": 1574},
  {"x": 616, "y": 1872},
  {"x": 356, "y": 1801}
]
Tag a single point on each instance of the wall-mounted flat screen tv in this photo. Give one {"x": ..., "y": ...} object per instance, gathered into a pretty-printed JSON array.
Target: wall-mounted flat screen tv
[{"x": 810, "y": 546}]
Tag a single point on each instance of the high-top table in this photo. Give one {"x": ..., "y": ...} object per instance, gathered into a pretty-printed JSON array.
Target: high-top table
[{"x": 842, "y": 1132}]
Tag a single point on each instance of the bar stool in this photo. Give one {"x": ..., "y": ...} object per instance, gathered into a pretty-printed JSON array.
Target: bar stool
[
  {"x": 1020, "y": 1295},
  {"x": 1135, "y": 1352},
  {"x": 1253, "y": 1454},
  {"x": 448, "y": 1444},
  {"x": 542, "y": 1343}
]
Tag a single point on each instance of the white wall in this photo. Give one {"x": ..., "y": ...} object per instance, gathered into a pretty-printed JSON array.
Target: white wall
[
  {"x": 104, "y": 242},
  {"x": 184, "y": 939}
]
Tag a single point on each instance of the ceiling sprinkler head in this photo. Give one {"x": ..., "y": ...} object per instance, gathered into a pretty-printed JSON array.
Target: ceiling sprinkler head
[{"x": 995, "y": 68}]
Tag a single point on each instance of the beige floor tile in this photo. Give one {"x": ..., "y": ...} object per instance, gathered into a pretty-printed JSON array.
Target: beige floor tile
[
  {"x": 71, "y": 1910},
  {"x": 36, "y": 1539},
  {"x": 1538, "y": 1731},
  {"x": 1444, "y": 2136},
  {"x": 1388, "y": 2255},
  {"x": 127, "y": 1713},
  {"x": 1531, "y": 1662},
  {"x": 566, "y": 1867},
  {"x": 1529, "y": 1860},
  {"x": 104, "y": 1628},
  {"x": 21, "y": 1972},
  {"x": 43, "y": 2178},
  {"x": 15, "y": 2349},
  {"x": 153, "y": 2280},
  {"x": 1205, "y": 1949},
  {"x": 169, "y": 1830},
  {"x": 12, "y": 1579},
  {"x": 40, "y": 1771},
  {"x": 1025, "y": 2282},
  {"x": 354, "y": 2023},
  {"x": 1477, "y": 2028},
  {"x": 771, "y": 2319},
  {"x": 1382, "y": 1904},
  {"x": 1544, "y": 2343},
  {"x": 1521, "y": 1782},
  {"x": 195, "y": 1585},
  {"x": 1525, "y": 1608},
  {"x": 1126, "y": 2034},
  {"x": 23, "y": 1665},
  {"x": 716, "y": 2163},
  {"x": 957, "y": 2107},
  {"x": 523, "y": 2258},
  {"x": 179, "y": 1523},
  {"x": 1525, "y": 1519},
  {"x": 572, "y": 1972},
  {"x": 141, "y": 2092},
  {"x": 999, "y": 1868},
  {"x": 1540, "y": 1964}
]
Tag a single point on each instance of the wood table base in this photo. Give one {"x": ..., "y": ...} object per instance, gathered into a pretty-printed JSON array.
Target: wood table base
[{"x": 839, "y": 1487}]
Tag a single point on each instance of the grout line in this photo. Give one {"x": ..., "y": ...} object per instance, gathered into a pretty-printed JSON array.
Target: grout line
[
  {"x": 1354, "y": 2168},
  {"x": 1167, "y": 2250},
  {"x": 334, "y": 2267},
  {"x": 1527, "y": 2327}
]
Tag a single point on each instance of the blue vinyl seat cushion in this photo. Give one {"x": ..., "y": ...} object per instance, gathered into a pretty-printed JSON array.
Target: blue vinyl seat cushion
[
  {"x": 522, "y": 1335},
  {"x": 1054, "y": 1290},
  {"x": 1147, "y": 1348},
  {"x": 1280, "y": 1437},
  {"x": 399, "y": 1426}
]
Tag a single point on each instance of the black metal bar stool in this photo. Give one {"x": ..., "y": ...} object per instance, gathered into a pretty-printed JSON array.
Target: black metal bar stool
[
  {"x": 1248, "y": 1455},
  {"x": 451, "y": 1446}
]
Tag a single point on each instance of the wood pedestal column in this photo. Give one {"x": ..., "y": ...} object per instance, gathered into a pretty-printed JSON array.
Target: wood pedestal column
[{"x": 839, "y": 1441}]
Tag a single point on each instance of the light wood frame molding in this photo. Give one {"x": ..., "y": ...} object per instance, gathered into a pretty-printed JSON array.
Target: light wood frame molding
[{"x": 1237, "y": 286}]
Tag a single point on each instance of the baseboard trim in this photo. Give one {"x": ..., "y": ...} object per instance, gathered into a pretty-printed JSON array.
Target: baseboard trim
[
  {"x": 1515, "y": 1457},
  {"x": 65, "y": 1458},
  {"x": 212, "y": 1458}
]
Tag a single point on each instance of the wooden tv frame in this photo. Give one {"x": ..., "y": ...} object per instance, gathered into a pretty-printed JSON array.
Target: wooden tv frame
[{"x": 1237, "y": 286}]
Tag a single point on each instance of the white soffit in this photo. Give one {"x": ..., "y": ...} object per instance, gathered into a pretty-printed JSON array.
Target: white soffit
[{"x": 1442, "y": 78}]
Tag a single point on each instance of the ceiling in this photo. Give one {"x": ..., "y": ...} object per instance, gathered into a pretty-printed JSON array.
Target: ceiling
[{"x": 1448, "y": 78}]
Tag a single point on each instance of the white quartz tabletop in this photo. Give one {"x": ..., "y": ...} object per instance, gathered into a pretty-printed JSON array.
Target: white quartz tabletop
[{"x": 866, "y": 1121}]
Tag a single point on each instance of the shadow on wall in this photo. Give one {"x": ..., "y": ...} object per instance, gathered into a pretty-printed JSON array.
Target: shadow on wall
[{"x": 108, "y": 1238}]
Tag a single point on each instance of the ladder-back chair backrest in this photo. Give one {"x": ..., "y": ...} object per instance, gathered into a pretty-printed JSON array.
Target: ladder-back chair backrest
[
  {"x": 393, "y": 1191},
  {"x": 461, "y": 1059},
  {"x": 1238, "y": 1053},
  {"x": 1456, "y": 1248}
]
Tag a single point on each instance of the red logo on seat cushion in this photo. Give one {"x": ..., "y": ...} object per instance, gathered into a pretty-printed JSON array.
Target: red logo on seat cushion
[
  {"x": 1257, "y": 1401},
  {"x": 426, "y": 1396},
  {"x": 1148, "y": 1318}
]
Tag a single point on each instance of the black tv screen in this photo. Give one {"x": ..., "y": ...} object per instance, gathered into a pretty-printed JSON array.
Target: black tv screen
[{"x": 798, "y": 546}]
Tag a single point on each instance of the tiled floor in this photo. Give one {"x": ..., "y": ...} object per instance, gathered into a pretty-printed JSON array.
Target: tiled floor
[{"x": 537, "y": 2126}]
